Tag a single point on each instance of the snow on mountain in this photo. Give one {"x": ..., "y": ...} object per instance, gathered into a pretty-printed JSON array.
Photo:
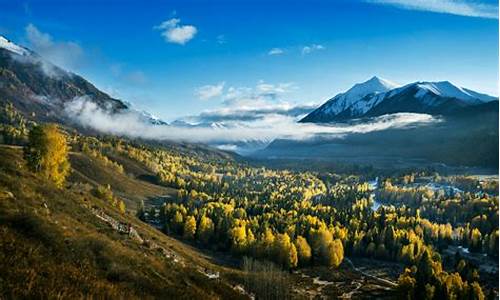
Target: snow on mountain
[
  {"x": 149, "y": 117},
  {"x": 217, "y": 125},
  {"x": 376, "y": 96},
  {"x": 342, "y": 101},
  {"x": 448, "y": 90},
  {"x": 373, "y": 85},
  {"x": 480, "y": 96},
  {"x": 10, "y": 46},
  {"x": 365, "y": 104}
]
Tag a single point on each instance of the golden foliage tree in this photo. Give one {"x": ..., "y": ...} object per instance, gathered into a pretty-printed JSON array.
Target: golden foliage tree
[
  {"x": 205, "y": 229},
  {"x": 47, "y": 153},
  {"x": 286, "y": 253},
  {"x": 190, "y": 228},
  {"x": 122, "y": 207},
  {"x": 239, "y": 238},
  {"x": 406, "y": 285},
  {"x": 334, "y": 253},
  {"x": 178, "y": 222},
  {"x": 303, "y": 250}
]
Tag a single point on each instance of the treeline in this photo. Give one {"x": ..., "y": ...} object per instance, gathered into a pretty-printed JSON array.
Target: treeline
[
  {"x": 427, "y": 280},
  {"x": 473, "y": 216}
]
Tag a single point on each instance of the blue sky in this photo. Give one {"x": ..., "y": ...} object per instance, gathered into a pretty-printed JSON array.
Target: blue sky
[{"x": 178, "y": 58}]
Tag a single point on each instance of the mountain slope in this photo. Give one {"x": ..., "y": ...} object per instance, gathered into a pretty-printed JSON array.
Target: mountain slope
[
  {"x": 63, "y": 243},
  {"x": 437, "y": 98},
  {"x": 33, "y": 84},
  {"x": 41, "y": 89}
]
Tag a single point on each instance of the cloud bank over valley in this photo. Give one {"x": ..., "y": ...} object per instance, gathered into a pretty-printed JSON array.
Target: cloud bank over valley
[{"x": 231, "y": 129}]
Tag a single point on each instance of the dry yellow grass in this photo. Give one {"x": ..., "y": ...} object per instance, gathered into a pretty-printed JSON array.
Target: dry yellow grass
[{"x": 52, "y": 246}]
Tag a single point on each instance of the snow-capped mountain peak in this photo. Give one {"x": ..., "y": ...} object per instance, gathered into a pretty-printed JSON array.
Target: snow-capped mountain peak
[
  {"x": 343, "y": 101},
  {"x": 10, "y": 46},
  {"x": 449, "y": 90},
  {"x": 378, "y": 96},
  {"x": 371, "y": 86}
]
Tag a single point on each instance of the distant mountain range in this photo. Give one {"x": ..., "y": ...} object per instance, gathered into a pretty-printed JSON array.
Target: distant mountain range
[
  {"x": 466, "y": 135},
  {"x": 377, "y": 97},
  {"x": 41, "y": 89}
]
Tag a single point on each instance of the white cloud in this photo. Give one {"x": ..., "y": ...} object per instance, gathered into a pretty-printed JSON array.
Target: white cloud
[
  {"x": 274, "y": 89},
  {"x": 311, "y": 48},
  {"x": 275, "y": 51},
  {"x": 273, "y": 126},
  {"x": 237, "y": 115},
  {"x": 244, "y": 106},
  {"x": 210, "y": 91},
  {"x": 68, "y": 55},
  {"x": 261, "y": 106},
  {"x": 262, "y": 94},
  {"x": 454, "y": 7},
  {"x": 174, "y": 32}
]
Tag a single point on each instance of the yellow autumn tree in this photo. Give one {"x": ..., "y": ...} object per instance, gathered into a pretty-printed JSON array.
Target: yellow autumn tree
[
  {"x": 303, "y": 250},
  {"x": 238, "y": 238},
  {"x": 47, "y": 153},
  {"x": 190, "y": 228},
  {"x": 122, "y": 207},
  {"x": 285, "y": 251},
  {"x": 266, "y": 247},
  {"x": 334, "y": 253},
  {"x": 205, "y": 229}
]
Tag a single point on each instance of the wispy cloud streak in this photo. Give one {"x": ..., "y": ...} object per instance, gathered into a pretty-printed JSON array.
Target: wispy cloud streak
[{"x": 455, "y": 7}]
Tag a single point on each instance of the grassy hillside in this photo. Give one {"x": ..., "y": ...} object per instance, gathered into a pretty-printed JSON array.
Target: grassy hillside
[
  {"x": 52, "y": 243},
  {"x": 132, "y": 185}
]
